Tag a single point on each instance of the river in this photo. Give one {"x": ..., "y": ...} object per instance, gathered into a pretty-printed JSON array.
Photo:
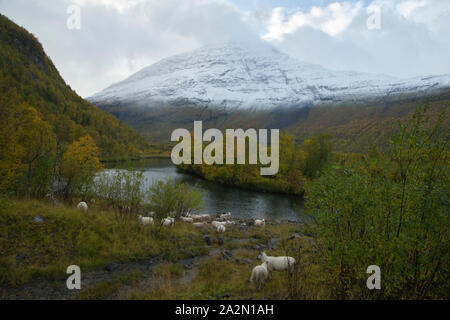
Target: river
[{"x": 218, "y": 198}]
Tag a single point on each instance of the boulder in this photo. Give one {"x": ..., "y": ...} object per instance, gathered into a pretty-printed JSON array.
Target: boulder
[
  {"x": 112, "y": 266},
  {"x": 38, "y": 219},
  {"x": 207, "y": 239}
]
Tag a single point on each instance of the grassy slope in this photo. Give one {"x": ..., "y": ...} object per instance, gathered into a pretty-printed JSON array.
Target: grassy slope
[
  {"x": 33, "y": 251},
  {"x": 28, "y": 75}
]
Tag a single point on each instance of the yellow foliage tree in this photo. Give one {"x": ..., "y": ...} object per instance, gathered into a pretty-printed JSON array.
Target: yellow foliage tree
[
  {"x": 80, "y": 163},
  {"x": 37, "y": 139},
  {"x": 24, "y": 140}
]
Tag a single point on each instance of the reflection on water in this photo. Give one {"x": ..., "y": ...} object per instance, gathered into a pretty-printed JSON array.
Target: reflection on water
[{"x": 218, "y": 198}]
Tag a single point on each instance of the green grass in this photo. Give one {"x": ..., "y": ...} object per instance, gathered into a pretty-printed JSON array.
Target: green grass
[
  {"x": 168, "y": 268},
  {"x": 107, "y": 288},
  {"x": 217, "y": 276},
  {"x": 220, "y": 277},
  {"x": 42, "y": 251},
  {"x": 30, "y": 250}
]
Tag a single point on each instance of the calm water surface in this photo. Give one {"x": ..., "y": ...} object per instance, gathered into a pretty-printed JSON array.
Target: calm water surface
[{"x": 218, "y": 198}]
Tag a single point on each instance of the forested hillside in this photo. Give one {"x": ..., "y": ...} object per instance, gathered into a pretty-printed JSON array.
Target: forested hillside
[
  {"x": 29, "y": 82},
  {"x": 362, "y": 128},
  {"x": 41, "y": 116},
  {"x": 353, "y": 127}
]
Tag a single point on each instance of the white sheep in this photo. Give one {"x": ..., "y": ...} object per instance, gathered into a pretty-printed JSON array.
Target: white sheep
[
  {"x": 277, "y": 263},
  {"x": 215, "y": 224},
  {"x": 146, "y": 220},
  {"x": 82, "y": 206},
  {"x": 260, "y": 274},
  {"x": 221, "y": 228},
  {"x": 260, "y": 223},
  {"x": 184, "y": 219},
  {"x": 198, "y": 224},
  {"x": 225, "y": 216},
  {"x": 168, "y": 222},
  {"x": 195, "y": 216}
]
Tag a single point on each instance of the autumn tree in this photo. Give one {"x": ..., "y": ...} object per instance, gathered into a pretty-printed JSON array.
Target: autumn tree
[
  {"x": 318, "y": 151},
  {"x": 10, "y": 151},
  {"x": 26, "y": 145},
  {"x": 80, "y": 163},
  {"x": 38, "y": 141}
]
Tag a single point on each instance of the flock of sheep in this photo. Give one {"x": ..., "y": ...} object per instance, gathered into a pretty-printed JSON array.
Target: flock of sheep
[{"x": 259, "y": 274}]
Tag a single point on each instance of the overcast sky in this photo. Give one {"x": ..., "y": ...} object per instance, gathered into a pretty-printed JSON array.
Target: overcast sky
[{"x": 119, "y": 37}]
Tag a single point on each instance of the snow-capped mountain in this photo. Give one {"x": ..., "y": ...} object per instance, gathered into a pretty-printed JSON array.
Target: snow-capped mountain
[{"x": 242, "y": 76}]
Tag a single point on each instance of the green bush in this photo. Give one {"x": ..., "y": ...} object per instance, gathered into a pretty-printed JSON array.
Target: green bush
[
  {"x": 168, "y": 196},
  {"x": 391, "y": 212},
  {"x": 122, "y": 190}
]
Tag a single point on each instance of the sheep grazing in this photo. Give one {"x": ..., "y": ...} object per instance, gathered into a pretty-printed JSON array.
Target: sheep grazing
[
  {"x": 198, "y": 224},
  {"x": 277, "y": 263},
  {"x": 184, "y": 219},
  {"x": 168, "y": 222},
  {"x": 215, "y": 224},
  {"x": 82, "y": 206},
  {"x": 225, "y": 216},
  {"x": 146, "y": 220},
  {"x": 260, "y": 223},
  {"x": 221, "y": 228},
  {"x": 260, "y": 274},
  {"x": 195, "y": 216}
]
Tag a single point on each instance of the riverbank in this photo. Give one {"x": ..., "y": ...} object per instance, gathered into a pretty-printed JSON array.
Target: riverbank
[
  {"x": 261, "y": 185},
  {"x": 219, "y": 198},
  {"x": 134, "y": 158},
  {"x": 121, "y": 259}
]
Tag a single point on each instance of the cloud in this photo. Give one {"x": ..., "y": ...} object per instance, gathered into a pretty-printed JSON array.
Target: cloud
[
  {"x": 412, "y": 39},
  {"x": 119, "y": 37},
  {"x": 332, "y": 19}
]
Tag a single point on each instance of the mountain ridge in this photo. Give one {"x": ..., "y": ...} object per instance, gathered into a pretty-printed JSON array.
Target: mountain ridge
[{"x": 234, "y": 75}]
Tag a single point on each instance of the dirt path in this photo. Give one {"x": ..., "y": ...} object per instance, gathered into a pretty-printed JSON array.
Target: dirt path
[
  {"x": 115, "y": 275},
  {"x": 57, "y": 290}
]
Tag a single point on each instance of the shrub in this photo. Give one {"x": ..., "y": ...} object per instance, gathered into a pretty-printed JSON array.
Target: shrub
[
  {"x": 392, "y": 214},
  {"x": 168, "y": 196},
  {"x": 122, "y": 190}
]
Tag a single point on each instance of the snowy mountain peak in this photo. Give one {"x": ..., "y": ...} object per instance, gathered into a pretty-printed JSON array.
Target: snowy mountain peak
[{"x": 235, "y": 75}]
